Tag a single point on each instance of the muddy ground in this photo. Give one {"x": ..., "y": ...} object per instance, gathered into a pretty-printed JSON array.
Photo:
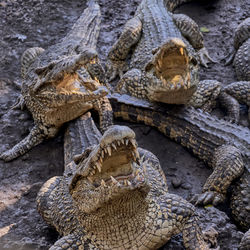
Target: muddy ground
[{"x": 29, "y": 23}]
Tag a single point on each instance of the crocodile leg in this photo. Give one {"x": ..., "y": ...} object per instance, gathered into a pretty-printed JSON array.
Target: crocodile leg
[
  {"x": 119, "y": 51},
  {"x": 245, "y": 241},
  {"x": 190, "y": 30},
  {"x": 73, "y": 242},
  {"x": 206, "y": 94},
  {"x": 54, "y": 203},
  {"x": 35, "y": 137},
  {"x": 241, "y": 35},
  {"x": 134, "y": 83},
  {"x": 232, "y": 95},
  {"x": 180, "y": 213},
  {"x": 227, "y": 165}
]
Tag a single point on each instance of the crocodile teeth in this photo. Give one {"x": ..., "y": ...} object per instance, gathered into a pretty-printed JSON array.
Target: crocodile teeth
[
  {"x": 92, "y": 172},
  {"x": 119, "y": 143},
  {"x": 98, "y": 167},
  {"x": 103, "y": 183},
  {"x": 101, "y": 160},
  {"x": 109, "y": 150},
  {"x": 137, "y": 172},
  {"x": 122, "y": 141},
  {"x": 105, "y": 150},
  {"x": 102, "y": 153},
  {"x": 129, "y": 183},
  {"x": 137, "y": 154},
  {"x": 114, "y": 146},
  {"x": 181, "y": 50},
  {"x": 126, "y": 141},
  {"x": 125, "y": 182},
  {"x": 133, "y": 143},
  {"x": 114, "y": 181},
  {"x": 90, "y": 179}
]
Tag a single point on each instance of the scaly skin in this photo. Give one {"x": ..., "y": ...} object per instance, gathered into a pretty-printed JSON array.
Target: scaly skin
[
  {"x": 62, "y": 82},
  {"x": 239, "y": 92},
  {"x": 116, "y": 197},
  {"x": 165, "y": 50},
  {"x": 222, "y": 145}
]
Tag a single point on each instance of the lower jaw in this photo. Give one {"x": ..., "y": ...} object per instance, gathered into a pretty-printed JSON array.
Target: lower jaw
[{"x": 172, "y": 97}]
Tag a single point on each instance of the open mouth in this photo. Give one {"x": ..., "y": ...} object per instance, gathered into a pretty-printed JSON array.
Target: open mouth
[
  {"x": 116, "y": 164},
  {"x": 173, "y": 70}
]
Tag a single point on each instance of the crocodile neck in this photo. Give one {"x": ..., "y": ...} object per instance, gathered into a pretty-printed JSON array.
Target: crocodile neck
[
  {"x": 158, "y": 27},
  {"x": 121, "y": 224},
  {"x": 197, "y": 131}
]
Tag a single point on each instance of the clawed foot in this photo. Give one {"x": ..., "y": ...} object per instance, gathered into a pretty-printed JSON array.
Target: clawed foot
[
  {"x": 204, "y": 57},
  {"x": 116, "y": 69},
  {"x": 232, "y": 119},
  {"x": 229, "y": 58},
  {"x": 209, "y": 197}
]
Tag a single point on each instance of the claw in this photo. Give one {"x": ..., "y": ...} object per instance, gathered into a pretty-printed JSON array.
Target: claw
[
  {"x": 205, "y": 57},
  {"x": 206, "y": 198}
]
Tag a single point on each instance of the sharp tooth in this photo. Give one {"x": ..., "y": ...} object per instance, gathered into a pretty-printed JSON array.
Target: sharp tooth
[
  {"x": 137, "y": 154},
  {"x": 114, "y": 146},
  {"x": 122, "y": 141},
  {"x": 105, "y": 150},
  {"x": 125, "y": 182},
  {"x": 102, "y": 153},
  {"x": 126, "y": 141},
  {"x": 133, "y": 143},
  {"x": 100, "y": 160},
  {"x": 113, "y": 179},
  {"x": 181, "y": 50},
  {"x": 103, "y": 183},
  {"x": 137, "y": 160},
  {"x": 129, "y": 183},
  {"x": 137, "y": 172},
  {"x": 99, "y": 167},
  {"x": 109, "y": 150},
  {"x": 119, "y": 143},
  {"x": 90, "y": 179}
]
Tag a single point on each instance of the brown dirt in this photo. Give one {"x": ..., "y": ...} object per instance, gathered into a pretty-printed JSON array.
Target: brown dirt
[{"x": 25, "y": 24}]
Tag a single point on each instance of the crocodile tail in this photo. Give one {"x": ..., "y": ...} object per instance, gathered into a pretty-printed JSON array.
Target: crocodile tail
[
  {"x": 86, "y": 30},
  {"x": 80, "y": 134}
]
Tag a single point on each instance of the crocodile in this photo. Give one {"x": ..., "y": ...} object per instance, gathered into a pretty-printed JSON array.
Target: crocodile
[
  {"x": 238, "y": 92},
  {"x": 166, "y": 52},
  {"x": 222, "y": 145},
  {"x": 63, "y": 82},
  {"x": 114, "y": 195}
]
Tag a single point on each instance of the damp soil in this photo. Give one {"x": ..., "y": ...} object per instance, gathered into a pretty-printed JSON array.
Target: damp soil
[{"x": 29, "y": 23}]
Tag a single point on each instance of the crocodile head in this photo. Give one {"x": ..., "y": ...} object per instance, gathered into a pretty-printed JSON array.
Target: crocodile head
[
  {"x": 61, "y": 73},
  {"x": 109, "y": 171},
  {"x": 173, "y": 73}
]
